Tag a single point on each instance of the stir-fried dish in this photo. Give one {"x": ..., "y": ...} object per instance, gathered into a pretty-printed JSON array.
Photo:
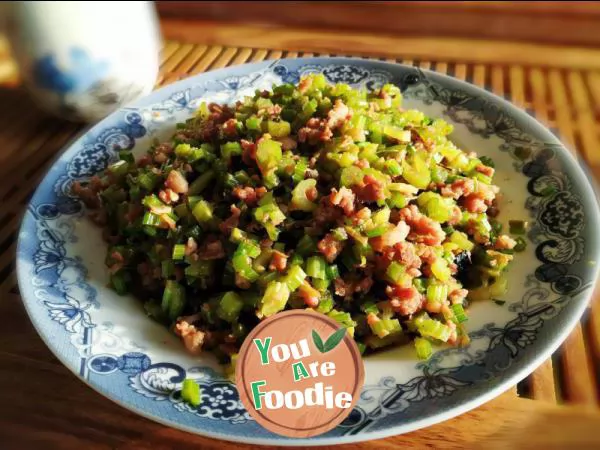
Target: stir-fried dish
[{"x": 312, "y": 196}]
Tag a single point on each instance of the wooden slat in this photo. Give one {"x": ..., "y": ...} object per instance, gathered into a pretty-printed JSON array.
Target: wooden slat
[
  {"x": 32, "y": 152},
  {"x": 275, "y": 54},
  {"x": 586, "y": 125},
  {"x": 206, "y": 60},
  {"x": 58, "y": 140},
  {"x": 291, "y": 54},
  {"x": 175, "y": 59},
  {"x": 537, "y": 81},
  {"x": 542, "y": 383},
  {"x": 479, "y": 75},
  {"x": 578, "y": 379},
  {"x": 517, "y": 85},
  {"x": 562, "y": 107},
  {"x": 8, "y": 283},
  {"x": 259, "y": 55},
  {"x": 460, "y": 71},
  {"x": 224, "y": 58},
  {"x": 169, "y": 48},
  {"x": 479, "y": 71},
  {"x": 498, "y": 80},
  {"x": 441, "y": 67},
  {"x": 593, "y": 331},
  {"x": 182, "y": 69},
  {"x": 425, "y": 65},
  {"x": 20, "y": 133},
  {"x": 241, "y": 57},
  {"x": 593, "y": 79}
]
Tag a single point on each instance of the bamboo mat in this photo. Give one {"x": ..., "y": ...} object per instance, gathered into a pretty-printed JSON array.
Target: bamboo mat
[{"x": 565, "y": 99}]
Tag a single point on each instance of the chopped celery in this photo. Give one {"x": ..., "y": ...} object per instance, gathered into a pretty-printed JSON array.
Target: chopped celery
[
  {"x": 275, "y": 298},
  {"x": 178, "y": 252},
  {"x": 229, "y": 149},
  {"x": 461, "y": 239},
  {"x": 332, "y": 272},
  {"x": 437, "y": 293},
  {"x": 344, "y": 319},
  {"x": 279, "y": 129},
  {"x": 435, "y": 329},
  {"x": 459, "y": 313},
  {"x": 397, "y": 133},
  {"x": 268, "y": 155},
  {"x": 416, "y": 174},
  {"x": 306, "y": 245},
  {"x": 384, "y": 327},
  {"x": 423, "y": 347},
  {"x": 200, "y": 183},
  {"x": 440, "y": 269},
  {"x": 350, "y": 176},
  {"x": 316, "y": 267},
  {"x": 300, "y": 170},
  {"x": 173, "y": 300},
  {"x": 230, "y": 306},
  {"x": 190, "y": 392},
  {"x": 521, "y": 245},
  {"x": 300, "y": 195},
  {"x": 294, "y": 278},
  {"x": 203, "y": 211}
]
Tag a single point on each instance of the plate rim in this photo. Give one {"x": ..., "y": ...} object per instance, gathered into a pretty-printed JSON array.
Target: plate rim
[{"x": 585, "y": 182}]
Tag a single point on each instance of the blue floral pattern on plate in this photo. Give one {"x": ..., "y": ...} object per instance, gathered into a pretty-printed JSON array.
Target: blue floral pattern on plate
[{"x": 58, "y": 266}]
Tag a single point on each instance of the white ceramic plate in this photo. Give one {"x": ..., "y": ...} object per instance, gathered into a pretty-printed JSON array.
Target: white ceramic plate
[{"x": 111, "y": 345}]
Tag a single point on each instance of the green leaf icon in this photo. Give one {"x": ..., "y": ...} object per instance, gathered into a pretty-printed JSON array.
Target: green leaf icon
[
  {"x": 331, "y": 342},
  {"x": 334, "y": 340},
  {"x": 318, "y": 341}
]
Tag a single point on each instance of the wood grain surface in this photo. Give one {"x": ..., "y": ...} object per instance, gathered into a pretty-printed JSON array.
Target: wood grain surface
[
  {"x": 578, "y": 22},
  {"x": 43, "y": 405}
]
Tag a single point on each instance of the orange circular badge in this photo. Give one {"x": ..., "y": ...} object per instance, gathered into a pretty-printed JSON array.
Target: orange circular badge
[{"x": 299, "y": 373}]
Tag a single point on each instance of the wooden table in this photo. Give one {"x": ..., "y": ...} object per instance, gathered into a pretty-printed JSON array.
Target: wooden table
[{"x": 42, "y": 404}]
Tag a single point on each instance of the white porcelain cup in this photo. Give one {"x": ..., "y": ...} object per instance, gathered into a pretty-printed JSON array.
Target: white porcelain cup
[{"x": 82, "y": 60}]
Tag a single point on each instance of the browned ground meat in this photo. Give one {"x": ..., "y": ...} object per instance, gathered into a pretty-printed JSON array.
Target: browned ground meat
[
  {"x": 176, "y": 182},
  {"x": 423, "y": 229},
  {"x": 370, "y": 190},
  {"x": 278, "y": 261},
  {"x": 315, "y": 131},
  {"x": 344, "y": 198},
  {"x": 232, "y": 221},
  {"x": 330, "y": 247},
  {"x": 191, "y": 337},
  {"x": 211, "y": 249},
  {"x": 405, "y": 300},
  {"x": 248, "y": 194},
  {"x": 504, "y": 242},
  {"x": 338, "y": 115},
  {"x": 248, "y": 152},
  {"x": 460, "y": 187}
]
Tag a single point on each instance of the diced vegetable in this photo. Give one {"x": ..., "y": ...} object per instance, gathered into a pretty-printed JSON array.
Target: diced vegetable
[
  {"x": 190, "y": 392},
  {"x": 300, "y": 199},
  {"x": 236, "y": 217},
  {"x": 434, "y": 329},
  {"x": 316, "y": 267},
  {"x": 230, "y": 306},
  {"x": 275, "y": 298},
  {"x": 173, "y": 300},
  {"x": 423, "y": 347}
]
